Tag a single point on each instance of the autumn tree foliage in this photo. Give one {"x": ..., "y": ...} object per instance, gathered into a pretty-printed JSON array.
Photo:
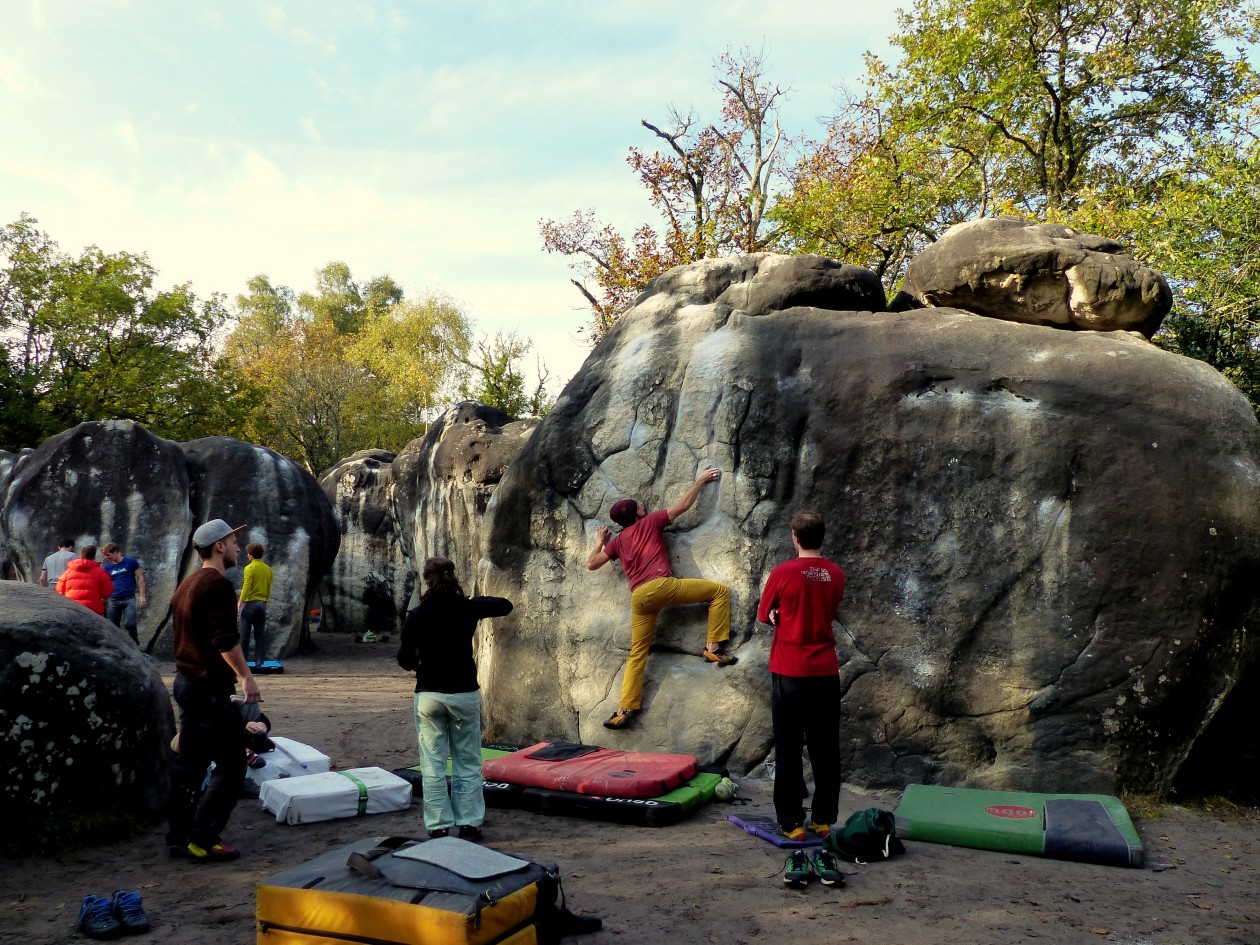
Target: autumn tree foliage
[
  {"x": 346, "y": 367},
  {"x": 89, "y": 336},
  {"x": 710, "y": 184},
  {"x": 1031, "y": 108}
]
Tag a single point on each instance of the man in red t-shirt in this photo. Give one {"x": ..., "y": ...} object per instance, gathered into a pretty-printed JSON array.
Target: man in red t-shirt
[
  {"x": 640, "y": 547},
  {"x": 801, "y": 600}
]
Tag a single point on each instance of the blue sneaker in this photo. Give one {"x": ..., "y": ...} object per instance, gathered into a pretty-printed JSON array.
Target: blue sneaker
[
  {"x": 96, "y": 918},
  {"x": 129, "y": 912}
]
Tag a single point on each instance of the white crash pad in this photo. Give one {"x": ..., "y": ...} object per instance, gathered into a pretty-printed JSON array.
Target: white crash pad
[
  {"x": 289, "y": 759},
  {"x": 335, "y": 794}
]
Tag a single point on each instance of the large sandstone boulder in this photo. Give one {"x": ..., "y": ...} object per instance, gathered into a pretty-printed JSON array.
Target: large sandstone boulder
[
  {"x": 285, "y": 509},
  {"x": 371, "y": 579},
  {"x": 115, "y": 481},
  {"x": 1050, "y": 537},
  {"x": 95, "y": 483},
  {"x": 443, "y": 483},
  {"x": 1040, "y": 273},
  {"x": 84, "y": 719}
]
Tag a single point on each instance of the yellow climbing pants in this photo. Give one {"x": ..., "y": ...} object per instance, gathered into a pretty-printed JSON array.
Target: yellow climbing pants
[{"x": 646, "y": 601}]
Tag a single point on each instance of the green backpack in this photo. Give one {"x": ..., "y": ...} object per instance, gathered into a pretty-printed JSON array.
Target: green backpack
[{"x": 869, "y": 836}]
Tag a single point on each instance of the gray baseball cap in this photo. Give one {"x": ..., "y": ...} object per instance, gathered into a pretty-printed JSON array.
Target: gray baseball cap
[{"x": 214, "y": 530}]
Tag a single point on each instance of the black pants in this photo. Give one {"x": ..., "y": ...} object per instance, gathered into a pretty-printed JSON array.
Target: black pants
[
  {"x": 210, "y": 729},
  {"x": 806, "y": 713}
]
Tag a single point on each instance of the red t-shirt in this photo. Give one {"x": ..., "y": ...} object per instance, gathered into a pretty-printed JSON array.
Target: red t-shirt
[
  {"x": 807, "y": 592},
  {"x": 641, "y": 549}
]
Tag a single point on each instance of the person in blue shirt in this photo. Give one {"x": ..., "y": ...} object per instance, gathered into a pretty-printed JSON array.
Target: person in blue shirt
[{"x": 128, "y": 589}]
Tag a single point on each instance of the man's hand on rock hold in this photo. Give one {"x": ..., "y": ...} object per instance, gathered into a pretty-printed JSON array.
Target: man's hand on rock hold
[
  {"x": 602, "y": 535},
  {"x": 710, "y": 474}
]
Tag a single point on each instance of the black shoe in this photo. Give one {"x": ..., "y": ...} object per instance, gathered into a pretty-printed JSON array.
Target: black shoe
[
  {"x": 96, "y": 920},
  {"x": 439, "y": 833},
  {"x": 128, "y": 910},
  {"x": 469, "y": 832}
]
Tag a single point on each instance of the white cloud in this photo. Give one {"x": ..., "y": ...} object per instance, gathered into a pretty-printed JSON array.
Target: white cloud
[
  {"x": 307, "y": 124},
  {"x": 125, "y": 133},
  {"x": 14, "y": 79},
  {"x": 277, "y": 20}
]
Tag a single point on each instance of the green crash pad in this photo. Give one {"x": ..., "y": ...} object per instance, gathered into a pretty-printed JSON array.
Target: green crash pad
[{"x": 1086, "y": 828}]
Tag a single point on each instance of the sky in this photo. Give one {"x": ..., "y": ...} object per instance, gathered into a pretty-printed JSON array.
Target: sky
[{"x": 422, "y": 140}]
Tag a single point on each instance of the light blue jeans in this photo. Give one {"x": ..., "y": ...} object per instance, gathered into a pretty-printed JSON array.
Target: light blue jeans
[{"x": 448, "y": 725}]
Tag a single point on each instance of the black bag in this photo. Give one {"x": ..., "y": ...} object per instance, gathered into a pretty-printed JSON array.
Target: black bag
[{"x": 869, "y": 836}]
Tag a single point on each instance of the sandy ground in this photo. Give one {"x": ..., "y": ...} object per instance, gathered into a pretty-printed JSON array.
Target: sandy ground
[{"x": 703, "y": 881}]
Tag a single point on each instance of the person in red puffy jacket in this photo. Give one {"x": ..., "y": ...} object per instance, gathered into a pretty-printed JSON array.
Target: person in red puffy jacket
[{"x": 85, "y": 581}]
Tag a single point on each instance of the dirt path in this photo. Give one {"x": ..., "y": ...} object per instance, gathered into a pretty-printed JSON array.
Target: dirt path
[{"x": 703, "y": 881}]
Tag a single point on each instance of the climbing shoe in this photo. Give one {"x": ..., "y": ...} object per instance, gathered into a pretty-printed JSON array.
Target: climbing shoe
[
  {"x": 620, "y": 720},
  {"x": 96, "y": 920},
  {"x": 720, "y": 657},
  {"x": 218, "y": 853},
  {"x": 821, "y": 831},
  {"x": 796, "y": 870},
  {"x": 825, "y": 866},
  {"x": 796, "y": 834},
  {"x": 129, "y": 911}
]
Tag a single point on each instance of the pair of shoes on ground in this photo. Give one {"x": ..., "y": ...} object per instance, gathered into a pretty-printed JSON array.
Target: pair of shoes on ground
[
  {"x": 801, "y": 867},
  {"x": 621, "y": 718},
  {"x": 216, "y": 853},
  {"x": 466, "y": 832},
  {"x": 720, "y": 657},
  {"x": 821, "y": 831},
  {"x": 120, "y": 914}
]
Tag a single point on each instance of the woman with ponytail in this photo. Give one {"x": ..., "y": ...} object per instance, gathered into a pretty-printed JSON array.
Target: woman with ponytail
[{"x": 437, "y": 645}]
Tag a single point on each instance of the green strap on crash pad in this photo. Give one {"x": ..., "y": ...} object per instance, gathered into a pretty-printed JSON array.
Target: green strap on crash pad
[{"x": 363, "y": 792}]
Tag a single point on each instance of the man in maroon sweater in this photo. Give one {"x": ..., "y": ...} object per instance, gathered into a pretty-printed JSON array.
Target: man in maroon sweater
[
  {"x": 208, "y": 662},
  {"x": 801, "y": 600}
]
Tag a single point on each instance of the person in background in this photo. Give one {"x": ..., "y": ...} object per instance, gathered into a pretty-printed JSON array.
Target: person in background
[
  {"x": 86, "y": 582},
  {"x": 128, "y": 589},
  {"x": 437, "y": 645},
  {"x": 55, "y": 563},
  {"x": 252, "y": 604}
]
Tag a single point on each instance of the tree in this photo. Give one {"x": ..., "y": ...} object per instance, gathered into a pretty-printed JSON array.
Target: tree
[
  {"x": 1201, "y": 228},
  {"x": 1017, "y": 107},
  {"x": 874, "y": 193},
  {"x": 710, "y": 184},
  {"x": 498, "y": 381},
  {"x": 346, "y": 367},
  {"x": 345, "y": 303},
  {"x": 90, "y": 338},
  {"x": 416, "y": 351}
]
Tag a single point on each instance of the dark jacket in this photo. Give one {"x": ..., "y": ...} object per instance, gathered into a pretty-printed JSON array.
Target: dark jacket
[{"x": 437, "y": 640}]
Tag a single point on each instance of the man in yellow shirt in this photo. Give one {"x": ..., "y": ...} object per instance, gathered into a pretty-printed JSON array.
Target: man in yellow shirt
[{"x": 252, "y": 606}]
